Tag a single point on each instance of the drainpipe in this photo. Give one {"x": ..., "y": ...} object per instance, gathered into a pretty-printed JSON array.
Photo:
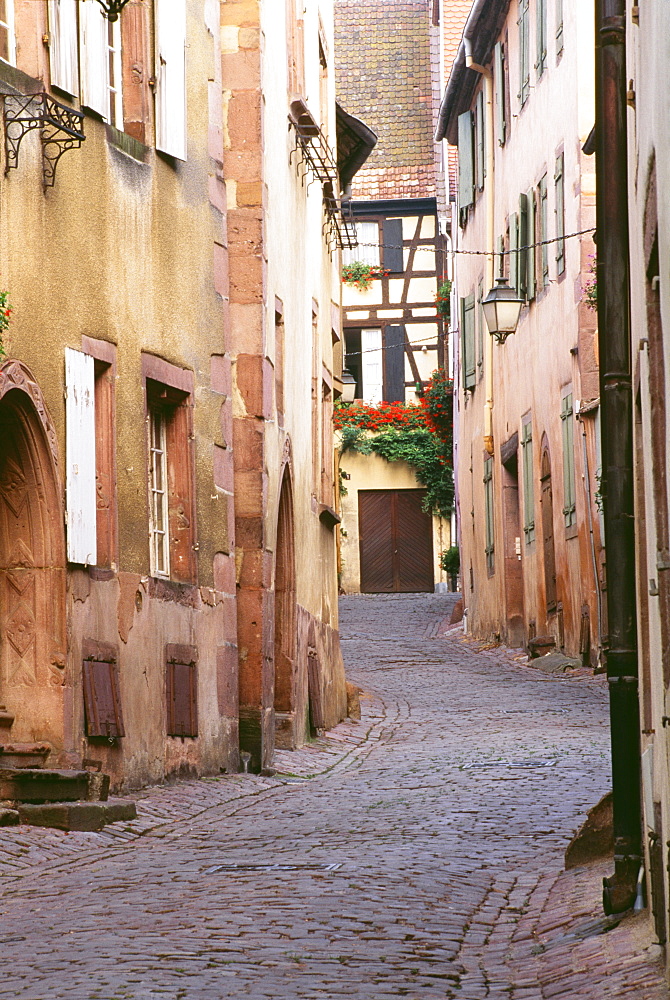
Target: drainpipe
[
  {"x": 490, "y": 225},
  {"x": 616, "y": 395}
]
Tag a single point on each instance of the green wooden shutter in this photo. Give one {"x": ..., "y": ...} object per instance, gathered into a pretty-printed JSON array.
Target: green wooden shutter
[
  {"x": 544, "y": 226},
  {"x": 466, "y": 166},
  {"x": 528, "y": 482},
  {"x": 523, "y": 244},
  {"x": 559, "y": 27},
  {"x": 500, "y": 257},
  {"x": 569, "y": 498},
  {"x": 541, "y": 25},
  {"x": 468, "y": 359},
  {"x": 393, "y": 252},
  {"x": 514, "y": 251},
  {"x": 559, "y": 179},
  {"x": 499, "y": 81},
  {"x": 480, "y": 162},
  {"x": 524, "y": 51},
  {"x": 488, "y": 512},
  {"x": 530, "y": 256},
  {"x": 481, "y": 327}
]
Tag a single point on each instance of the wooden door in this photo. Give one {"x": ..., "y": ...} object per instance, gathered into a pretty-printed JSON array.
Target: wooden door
[{"x": 396, "y": 542}]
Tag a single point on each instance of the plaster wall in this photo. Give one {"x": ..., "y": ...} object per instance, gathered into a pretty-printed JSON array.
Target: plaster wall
[
  {"x": 649, "y": 204},
  {"x": 127, "y": 248},
  {"x": 552, "y": 350},
  {"x": 372, "y": 472}
]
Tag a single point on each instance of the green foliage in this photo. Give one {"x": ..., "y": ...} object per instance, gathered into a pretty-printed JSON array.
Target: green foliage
[
  {"x": 5, "y": 316},
  {"x": 591, "y": 289},
  {"x": 420, "y": 448},
  {"x": 443, "y": 300},
  {"x": 450, "y": 560}
]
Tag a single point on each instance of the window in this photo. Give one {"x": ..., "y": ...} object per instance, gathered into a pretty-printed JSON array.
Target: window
[
  {"x": 372, "y": 362},
  {"x": 170, "y": 470},
  {"x": 80, "y": 452},
  {"x": 367, "y": 251},
  {"x": 102, "y": 698},
  {"x": 7, "y": 37},
  {"x": 559, "y": 28},
  {"x": 543, "y": 234},
  {"x": 170, "y": 26},
  {"x": 559, "y": 179},
  {"x": 501, "y": 82},
  {"x": 480, "y": 152},
  {"x": 353, "y": 358},
  {"x": 295, "y": 50},
  {"x": 481, "y": 327},
  {"x": 158, "y": 512},
  {"x": 541, "y": 14},
  {"x": 100, "y": 63},
  {"x": 181, "y": 690},
  {"x": 63, "y": 45},
  {"x": 488, "y": 511},
  {"x": 393, "y": 251},
  {"x": 528, "y": 480},
  {"x": 468, "y": 360},
  {"x": 524, "y": 51},
  {"x": 466, "y": 166},
  {"x": 569, "y": 497}
]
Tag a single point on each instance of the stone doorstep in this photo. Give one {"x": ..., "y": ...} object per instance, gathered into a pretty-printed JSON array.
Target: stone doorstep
[
  {"x": 38, "y": 785},
  {"x": 79, "y": 816}
]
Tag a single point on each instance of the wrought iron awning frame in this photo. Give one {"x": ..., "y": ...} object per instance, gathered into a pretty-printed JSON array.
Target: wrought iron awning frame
[
  {"x": 339, "y": 229},
  {"x": 61, "y": 128}
]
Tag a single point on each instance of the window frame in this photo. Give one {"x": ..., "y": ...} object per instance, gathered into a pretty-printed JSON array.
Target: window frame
[{"x": 10, "y": 26}]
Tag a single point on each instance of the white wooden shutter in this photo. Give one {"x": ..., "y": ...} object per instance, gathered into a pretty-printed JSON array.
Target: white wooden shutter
[
  {"x": 63, "y": 45},
  {"x": 80, "y": 457},
  {"x": 372, "y": 365},
  {"x": 94, "y": 50},
  {"x": 171, "y": 77}
]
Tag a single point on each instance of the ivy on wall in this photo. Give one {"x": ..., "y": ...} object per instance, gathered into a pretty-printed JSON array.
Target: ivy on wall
[{"x": 419, "y": 435}]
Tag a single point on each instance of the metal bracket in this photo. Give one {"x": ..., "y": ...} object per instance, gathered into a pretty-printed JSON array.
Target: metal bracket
[{"x": 61, "y": 128}]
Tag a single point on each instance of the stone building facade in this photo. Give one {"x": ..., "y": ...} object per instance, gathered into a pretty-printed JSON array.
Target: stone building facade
[
  {"x": 175, "y": 304},
  {"x": 647, "y": 31},
  {"x": 519, "y": 107}
]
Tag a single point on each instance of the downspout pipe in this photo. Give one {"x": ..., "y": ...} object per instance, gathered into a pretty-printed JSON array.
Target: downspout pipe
[
  {"x": 490, "y": 225},
  {"x": 616, "y": 395}
]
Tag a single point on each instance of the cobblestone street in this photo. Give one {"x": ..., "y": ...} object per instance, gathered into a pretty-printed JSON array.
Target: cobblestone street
[{"x": 417, "y": 853}]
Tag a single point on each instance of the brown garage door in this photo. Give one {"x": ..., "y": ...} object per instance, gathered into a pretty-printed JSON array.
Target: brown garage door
[{"x": 396, "y": 542}]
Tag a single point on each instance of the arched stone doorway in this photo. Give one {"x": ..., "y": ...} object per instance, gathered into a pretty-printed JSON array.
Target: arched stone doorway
[
  {"x": 32, "y": 563},
  {"x": 548, "y": 529},
  {"x": 285, "y": 621}
]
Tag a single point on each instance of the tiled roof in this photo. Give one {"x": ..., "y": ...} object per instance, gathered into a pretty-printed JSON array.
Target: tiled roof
[{"x": 382, "y": 62}]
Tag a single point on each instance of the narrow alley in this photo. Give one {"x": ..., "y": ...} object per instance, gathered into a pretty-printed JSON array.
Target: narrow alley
[{"x": 417, "y": 853}]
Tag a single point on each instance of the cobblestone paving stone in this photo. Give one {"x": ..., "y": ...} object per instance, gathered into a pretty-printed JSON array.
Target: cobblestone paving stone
[{"x": 450, "y": 881}]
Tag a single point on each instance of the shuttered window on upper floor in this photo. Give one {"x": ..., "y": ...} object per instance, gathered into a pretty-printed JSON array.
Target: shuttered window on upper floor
[
  {"x": 500, "y": 84},
  {"x": 100, "y": 63},
  {"x": 480, "y": 149},
  {"x": 543, "y": 233},
  {"x": 63, "y": 55},
  {"x": 80, "y": 457},
  {"x": 559, "y": 181},
  {"x": 7, "y": 36},
  {"x": 541, "y": 36},
  {"x": 524, "y": 51},
  {"x": 393, "y": 250},
  {"x": 468, "y": 349},
  {"x": 170, "y": 27},
  {"x": 514, "y": 269},
  {"x": 466, "y": 158},
  {"x": 559, "y": 28}
]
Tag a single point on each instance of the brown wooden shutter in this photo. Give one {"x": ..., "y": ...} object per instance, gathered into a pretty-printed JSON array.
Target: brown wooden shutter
[
  {"x": 394, "y": 364},
  {"x": 102, "y": 698},
  {"x": 181, "y": 690},
  {"x": 393, "y": 255}
]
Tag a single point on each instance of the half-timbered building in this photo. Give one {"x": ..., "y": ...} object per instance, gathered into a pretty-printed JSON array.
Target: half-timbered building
[{"x": 393, "y": 331}]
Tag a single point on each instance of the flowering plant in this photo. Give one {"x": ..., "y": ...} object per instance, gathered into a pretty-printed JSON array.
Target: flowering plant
[
  {"x": 591, "y": 289},
  {"x": 5, "y": 316},
  {"x": 361, "y": 275},
  {"x": 381, "y": 417},
  {"x": 443, "y": 300}
]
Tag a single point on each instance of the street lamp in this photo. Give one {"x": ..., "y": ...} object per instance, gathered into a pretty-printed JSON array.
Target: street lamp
[
  {"x": 502, "y": 307},
  {"x": 112, "y": 8},
  {"x": 348, "y": 386}
]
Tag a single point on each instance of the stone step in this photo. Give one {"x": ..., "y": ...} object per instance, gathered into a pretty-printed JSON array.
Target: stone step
[
  {"x": 79, "y": 816},
  {"x": 38, "y": 785}
]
